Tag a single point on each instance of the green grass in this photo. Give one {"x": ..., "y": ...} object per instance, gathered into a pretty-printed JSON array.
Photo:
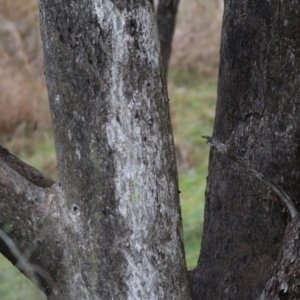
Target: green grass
[
  {"x": 36, "y": 150},
  {"x": 192, "y": 110},
  {"x": 192, "y": 186},
  {"x": 192, "y": 104},
  {"x": 14, "y": 285}
]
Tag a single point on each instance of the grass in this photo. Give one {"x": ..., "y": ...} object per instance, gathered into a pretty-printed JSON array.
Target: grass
[
  {"x": 192, "y": 104},
  {"x": 192, "y": 110},
  {"x": 14, "y": 285},
  {"x": 192, "y": 99},
  {"x": 36, "y": 150},
  {"x": 192, "y": 185}
]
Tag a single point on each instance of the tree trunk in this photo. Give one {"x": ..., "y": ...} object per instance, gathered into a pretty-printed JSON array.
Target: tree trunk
[
  {"x": 110, "y": 228},
  {"x": 284, "y": 282},
  {"x": 166, "y": 19},
  {"x": 257, "y": 113}
]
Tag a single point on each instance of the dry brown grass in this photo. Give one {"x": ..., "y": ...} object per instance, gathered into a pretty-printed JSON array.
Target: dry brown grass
[
  {"x": 23, "y": 98},
  {"x": 23, "y": 106},
  {"x": 197, "y": 36}
]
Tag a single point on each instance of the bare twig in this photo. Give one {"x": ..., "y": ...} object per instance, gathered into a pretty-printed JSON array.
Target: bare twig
[
  {"x": 214, "y": 143},
  {"x": 23, "y": 264}
]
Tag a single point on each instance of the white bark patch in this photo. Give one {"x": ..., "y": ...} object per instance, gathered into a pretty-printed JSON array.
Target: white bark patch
[
  {"x": 69, "y": 135},
  {"x": 136, "y": 186}
]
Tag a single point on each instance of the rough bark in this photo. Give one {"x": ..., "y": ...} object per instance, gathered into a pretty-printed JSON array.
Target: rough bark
[
  {"x": 117, "y": 192},
  {"x": 166, "y": 19},
  {"x": 28, "y": 214},
  {"x": 23, "y": 215},
  {"x": 284, "y": 279},
  {"x": 224, "y": 149},
  {"x": 258, "y": 113},
  {"x": 284, "y": 282},
  {"x": 30, "y": 173}
]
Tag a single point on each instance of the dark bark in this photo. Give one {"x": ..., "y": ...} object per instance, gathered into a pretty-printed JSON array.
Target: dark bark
[
  {"x": 28, "y": 172},
  {"x": 284, "y": 281},
  {"x": 110, "y": 228},
  {"x": 166, "y": 19},
  {"x": 258, "y": 113},
  {"x": 224, "y": 149}
]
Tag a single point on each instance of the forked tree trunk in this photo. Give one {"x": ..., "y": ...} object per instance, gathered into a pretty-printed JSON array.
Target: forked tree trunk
[
  {"x": 110, "y": 228},
  {"x": 258, "y": 114}
]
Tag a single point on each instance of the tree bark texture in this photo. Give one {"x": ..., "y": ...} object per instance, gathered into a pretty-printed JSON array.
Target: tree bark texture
[
  {"x": 117, "y": 194},
  {"x": 166, "y": 19},
  {"x": 258, "y": 111},
  {"x": 30, "y": 173},
  {"x": 29, "y": 216},
  {"x": 284, "y": 282}
]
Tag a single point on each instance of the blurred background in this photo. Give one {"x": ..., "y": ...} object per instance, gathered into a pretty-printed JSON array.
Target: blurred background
[{"x": 25, "y": 123}]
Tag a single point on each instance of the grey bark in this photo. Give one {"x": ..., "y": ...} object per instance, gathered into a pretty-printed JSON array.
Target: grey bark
[
  {"x": 27, "y": 214},
  {"x": 258, "y": 113},
  {"x": 166, "y": 20},
  {"x": 28, "y": 172},
  {"x": 110, "y": 228},
  {"x": 284, "y": 281}
]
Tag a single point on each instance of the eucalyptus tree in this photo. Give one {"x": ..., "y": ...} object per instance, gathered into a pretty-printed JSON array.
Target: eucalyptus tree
[{"x": 110, "y": 227}]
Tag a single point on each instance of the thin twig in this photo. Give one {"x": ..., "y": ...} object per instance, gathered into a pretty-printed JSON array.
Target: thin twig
[
  {"x": 23, "y": 264},
  {"x": 214, "y": 143},
  {"x": 14, "y": 250}
]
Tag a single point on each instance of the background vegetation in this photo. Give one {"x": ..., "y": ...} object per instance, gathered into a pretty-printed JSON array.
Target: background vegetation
[{"x": 25, "y": 124}]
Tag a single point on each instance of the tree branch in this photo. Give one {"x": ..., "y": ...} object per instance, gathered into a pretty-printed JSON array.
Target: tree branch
[
  {"x": 214, "y": 143},
  {"x": 26, "y": 215},
  {"x": 28, "y": 269},
  {"x": 30, "y": 173},
  {"x": 284, "y": 280}
]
